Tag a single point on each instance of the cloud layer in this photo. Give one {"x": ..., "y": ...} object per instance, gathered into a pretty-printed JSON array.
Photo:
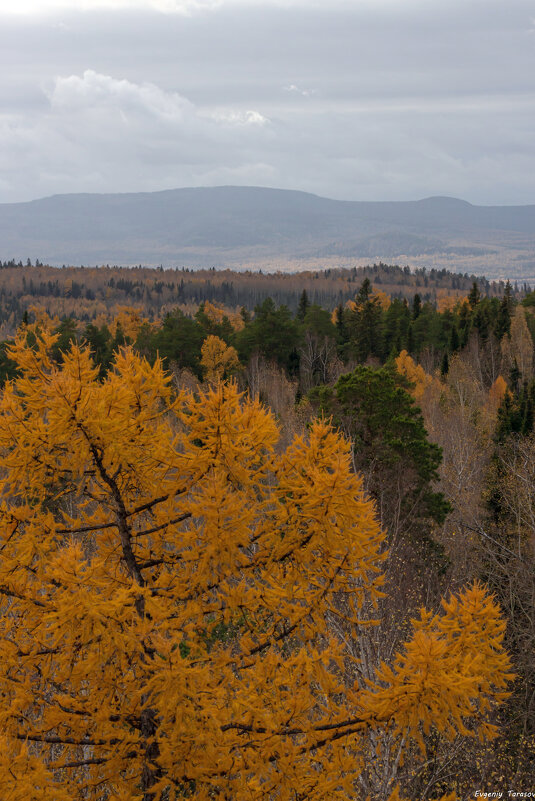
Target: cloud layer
[
  {"x": 100, "y": 133},
  {"x": 361, "y": 100}
]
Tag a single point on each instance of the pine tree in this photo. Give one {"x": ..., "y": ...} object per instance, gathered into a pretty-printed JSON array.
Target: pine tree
[{"x": 391, "y": 448}]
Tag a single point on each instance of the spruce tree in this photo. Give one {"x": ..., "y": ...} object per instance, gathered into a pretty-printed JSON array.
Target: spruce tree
[
  {"x": 304, "y": 304},
  {"x": 474, "y": 296}
]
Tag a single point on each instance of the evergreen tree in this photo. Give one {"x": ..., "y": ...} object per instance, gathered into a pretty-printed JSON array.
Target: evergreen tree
[
  {"x": 454, "y": 340},
  {"x": 274, "y": 333},
  {"x": 503, "y": 322},
  {"x": 465, "y": 323},
  {"x": 342, "y": 330},
  {"x": 178, "y": 341},
  {"x": 67, "y": 332},
  {"x": 99, "y": 341},
  {"x": 390, "y": 445},
  {"x": 416, "y": 306},
  {"x": 514, "y": 376},
  {"x": 366, "y": 325},
  {"x": 318, "y": 322},
  {"x": 410, "y": 339},
  {"x": 8, "y": 368},
  {"x": 526, "y": 410},
  {"x": 396, "y": 321},
  {"x": 474, "y": 296},
  {"x": 303, "y": 306},
  {"x": 364, "y": 292},
  {"x": 221, "y": 328}
]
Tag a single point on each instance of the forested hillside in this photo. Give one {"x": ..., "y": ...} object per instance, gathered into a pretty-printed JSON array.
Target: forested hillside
[
  {"x": 265, "y": 550},
  {"x": 242, "y": 227}
]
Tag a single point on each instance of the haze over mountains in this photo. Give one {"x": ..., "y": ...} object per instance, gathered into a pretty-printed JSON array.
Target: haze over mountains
[{"x": 269, "y": 229}]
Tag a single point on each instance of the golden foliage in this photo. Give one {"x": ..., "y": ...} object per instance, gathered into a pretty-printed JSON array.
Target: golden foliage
[
  {"x": 167, "y": 581},
  {"x": 129, "y": 319},
  {"x": 216, "y": 313},
  {"x": 453, "y": 662},
  {"x": 218, "y": 359},
  {"x": 448, "y": 300},
  {"x": 382, "y": 299},
  {"x": 497, "y": 393},
  {"x": 378, "y": 297},
  {"x": 395, "y": 796},
  {"x": 415, "y": 373}
]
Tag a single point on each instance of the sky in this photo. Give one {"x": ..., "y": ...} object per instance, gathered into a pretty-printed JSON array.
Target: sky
[{"x": 349, "y": 99}]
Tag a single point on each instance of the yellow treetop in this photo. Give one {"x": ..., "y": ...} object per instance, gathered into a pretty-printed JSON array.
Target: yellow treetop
[
  {"x": 448, "y": 302},
  {"x": 497, "y": 393},
  {"x": 382, "y": 299},
  {"x": 129, "y": 319},
  {"x": 218, "y": 359},
  {"x": 216, "y": 313},
  {"x": 415, "y": 373},
  {"x": 167, "y": 583},
  {"x": 378, "y": 297}
]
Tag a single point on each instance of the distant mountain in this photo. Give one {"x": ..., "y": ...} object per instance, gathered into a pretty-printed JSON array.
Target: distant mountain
[{"x": 233, "y": 226}]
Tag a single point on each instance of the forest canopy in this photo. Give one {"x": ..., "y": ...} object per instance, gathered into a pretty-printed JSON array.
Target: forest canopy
[{"x": 173, "y": 504}]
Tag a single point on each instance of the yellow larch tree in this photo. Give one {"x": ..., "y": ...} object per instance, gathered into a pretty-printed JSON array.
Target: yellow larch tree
[
  {"x": 448, "y": 301},
  {"x": 382, "y": 298},
  {"x": 217, "y": 313},
  {"x": 421, "y": 381},
  {"x": 496, "y": 394},
  {"x": 129, "y": 319},
  {"x": 167, "y": 582},
  {"x": 218, "y": 359}
]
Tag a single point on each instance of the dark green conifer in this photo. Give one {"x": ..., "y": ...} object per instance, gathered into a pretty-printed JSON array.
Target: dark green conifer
[
  {"x": 514, "y": 376},
  {"x": 410, "y": 340},
  {"x": 364, "y": 292},
  {"x": 390, "y": 446},
  {"x": 503, "y": 323},
  {"x": 454, "y": 340},
  {"x": 474, "y": 296},
  {"x": 303, "y": 306}
]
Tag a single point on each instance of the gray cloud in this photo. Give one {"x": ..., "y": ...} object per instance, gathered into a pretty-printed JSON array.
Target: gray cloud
[
  {"x": 100, "y": 133},
  {"x": 383, "y": 100}
]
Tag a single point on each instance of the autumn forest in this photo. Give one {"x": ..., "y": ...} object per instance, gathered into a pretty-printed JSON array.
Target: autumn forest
[{"x": 266, "y": 537}]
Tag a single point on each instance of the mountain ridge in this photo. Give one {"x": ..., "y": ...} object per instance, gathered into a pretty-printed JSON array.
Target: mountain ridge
[{"x": 240, "y": 226}]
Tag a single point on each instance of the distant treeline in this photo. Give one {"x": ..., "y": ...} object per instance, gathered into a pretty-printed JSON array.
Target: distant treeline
[
  {"x": 87, "y": 292},
  {"x": 308, "y": 343}
]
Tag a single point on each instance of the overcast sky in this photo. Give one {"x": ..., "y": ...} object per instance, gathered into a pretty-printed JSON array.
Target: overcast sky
[{"x": 350, "y": 99}]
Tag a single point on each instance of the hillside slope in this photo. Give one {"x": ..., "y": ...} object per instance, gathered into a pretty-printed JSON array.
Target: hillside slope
[{"x": 246, "y": 226}]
